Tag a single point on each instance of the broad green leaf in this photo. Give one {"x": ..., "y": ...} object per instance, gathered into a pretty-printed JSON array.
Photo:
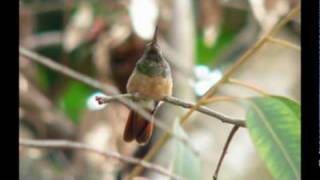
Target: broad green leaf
[
  {"x": 274, "y": 126},
  {"x": 186, "y": 163}
]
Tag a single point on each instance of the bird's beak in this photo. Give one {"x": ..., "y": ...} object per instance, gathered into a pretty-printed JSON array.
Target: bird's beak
[{"x": 155, "y": 36}]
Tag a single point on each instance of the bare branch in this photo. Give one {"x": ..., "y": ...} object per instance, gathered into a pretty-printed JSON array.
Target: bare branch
[
  {"x": 66, "y": 71},
  {"x": 224, "y": 152},
  {"x": 247, "y": 85},
  {"x": 284, "y": 43},
  {"x": 107, "y": 89},
  {"x": 63, "y": 144},
  {"x": 181, "y": 103},
  {"x": 206, "y": 110}
]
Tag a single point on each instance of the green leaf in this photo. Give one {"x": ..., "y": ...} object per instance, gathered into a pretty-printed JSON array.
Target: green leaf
[
  {"x": 73, "y": 101},
  {"x": 185, "y": 163},
  {"x": 274, "y": 126}
]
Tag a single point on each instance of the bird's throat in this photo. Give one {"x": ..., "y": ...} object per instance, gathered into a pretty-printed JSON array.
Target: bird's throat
[{"x": 153, "y": 68}]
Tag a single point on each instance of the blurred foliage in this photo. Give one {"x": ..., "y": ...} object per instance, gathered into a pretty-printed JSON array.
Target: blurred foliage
[
  {"x": 49, "y": 21},
  {"x": 207, "y": 55},
  {"x": 185, "y": 162},
  {"x": 74, "y": 98},
  {"x": 47, "y": 77},
  {"x": 274, "y": 126},
  {"x": 72, "y": 95},
  {"x": 233, "y": 22},
  {"x": 82, "y": 53}
]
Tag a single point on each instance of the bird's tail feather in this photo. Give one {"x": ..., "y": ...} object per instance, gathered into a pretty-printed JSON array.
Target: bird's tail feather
[{"x": 138, "y": 128}]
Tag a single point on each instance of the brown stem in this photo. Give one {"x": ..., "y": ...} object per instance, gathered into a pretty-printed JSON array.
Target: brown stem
[{"x": 224, "y": 152}]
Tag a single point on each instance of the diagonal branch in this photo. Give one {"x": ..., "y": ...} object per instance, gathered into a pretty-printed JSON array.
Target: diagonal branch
[
  {"x": 63, "y": 144},
  {"x": 107, "y": 89},
  {"x": 181, "y": 103}
]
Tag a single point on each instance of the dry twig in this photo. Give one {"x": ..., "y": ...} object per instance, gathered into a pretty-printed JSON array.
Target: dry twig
[
  {"x": 247, "y": 85},
  {"x": 224, "y": 152},
  {"x": 284, "y": 43},
  {"x": 63, "y": 144}
]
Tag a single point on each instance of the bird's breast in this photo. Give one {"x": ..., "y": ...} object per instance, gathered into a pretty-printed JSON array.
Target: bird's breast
[{"x": 155, "y": 87}]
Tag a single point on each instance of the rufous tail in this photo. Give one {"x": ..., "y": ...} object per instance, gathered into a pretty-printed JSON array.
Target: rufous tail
[{"x": 138, "y": 128}]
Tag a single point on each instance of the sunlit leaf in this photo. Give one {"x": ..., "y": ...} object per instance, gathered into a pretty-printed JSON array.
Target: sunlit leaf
[{"x": 274, "y": 126}]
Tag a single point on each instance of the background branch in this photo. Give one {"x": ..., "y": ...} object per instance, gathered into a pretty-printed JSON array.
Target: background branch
[
  {"x": 79, "y": 146},
  {"x": 247, "y": 85}
]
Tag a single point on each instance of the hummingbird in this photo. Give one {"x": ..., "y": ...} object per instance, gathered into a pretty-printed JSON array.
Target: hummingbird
[{"x": 151, "y": 79}]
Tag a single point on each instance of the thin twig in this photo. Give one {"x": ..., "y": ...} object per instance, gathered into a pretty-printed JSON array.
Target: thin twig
[
  {"x": 247, "y": 85},
  {"x": 220, "y": 98},
  {"x": 224, "y": 152},
  {"x": 107, "y": 89},
  {"x": 181, "y": 103},
  {"x": 284, "y": 43},
  {"x": 66, "y": 71},
  {"x": 58, "y": 144},
  {"x": 207, "y": 111},
  {"x": 138, "y": 169}
]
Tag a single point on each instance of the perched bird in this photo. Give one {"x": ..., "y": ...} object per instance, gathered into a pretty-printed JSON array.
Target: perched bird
[{"x": 152, "y": 80}]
